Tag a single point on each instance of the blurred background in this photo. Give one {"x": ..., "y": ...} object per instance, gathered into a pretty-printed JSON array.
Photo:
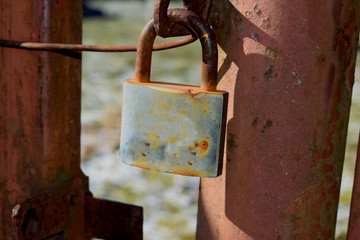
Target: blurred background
[{"x": 169, "y": 201}]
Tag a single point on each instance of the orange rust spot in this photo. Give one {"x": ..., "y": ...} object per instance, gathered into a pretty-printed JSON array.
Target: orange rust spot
[
  {"x": 153, "y": 135},
  {"x": 190, "y": 163},
  {"x": 200, "y": 148},
  {"x": 182, "y": 171},
  {"x": 143, "y": 154},
  {"x": 205, "y": 111},
  {"x": 204, "y": 144},
  {"x": 189, "y": 172},
  {"x": 146, "y": 166}
]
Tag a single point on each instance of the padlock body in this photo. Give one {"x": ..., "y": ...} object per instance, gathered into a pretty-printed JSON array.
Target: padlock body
[{"x": 173, "y": 128}]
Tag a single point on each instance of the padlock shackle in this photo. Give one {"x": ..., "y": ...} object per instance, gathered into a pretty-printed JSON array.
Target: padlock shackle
[{"x": 196, "y": 25}]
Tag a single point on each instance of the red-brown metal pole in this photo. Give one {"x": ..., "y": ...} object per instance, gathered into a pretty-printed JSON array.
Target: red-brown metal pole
[
  {"x": 289, "y": 69},
  {"x": 40, "y": 116},
  {"x": 354, "y": 219}
]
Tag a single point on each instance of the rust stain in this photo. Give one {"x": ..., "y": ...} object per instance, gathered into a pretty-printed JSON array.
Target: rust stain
[
  {"x": 173, "y": 139},
  {"x": 330, "y": 82},
  {"x": 189, "y": 172},
  {"x": 320, "y": 57},
  {"x": 181, "y": 171},
  {"x": 145, "y": 166},
  {"x": 200, "y": 148},
  {"x": 205, "y": 36},
  {"x": 164, "y": 105},
  {"x": 269, "y": 73},
  {"x": 231, "y": 143},
  {"x": 204, "y": 145},
  {"x": 306, "y": 213},
  {"x": 267, "y": 126},
  {"x": 271, "y": 53},
  {"x": 255, "y": 122}
]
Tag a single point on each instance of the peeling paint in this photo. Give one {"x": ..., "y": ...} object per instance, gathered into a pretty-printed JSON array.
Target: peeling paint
[
  {"x": 271, "y": 53},
  {"x": 248, "y": 14},
  {"x": 256, "y": 9},
  {"x": 255, "y": 36}
]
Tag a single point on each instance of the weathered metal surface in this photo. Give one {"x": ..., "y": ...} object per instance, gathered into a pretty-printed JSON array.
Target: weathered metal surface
[
  {"x": 165, "y": 28},
  {"x": 112, "y": 220},
  {"x": 289, "y": 69},
  {"x": 39, "y": 107},
  {"x": 354, "y": 219},
  {"x": 48, "y": 215},
  {"x": 42, "y": 188},
  {"x": 202, "y": 31},
  {"x": 61, "y": 47},
  {"x": 174, "y": 128}
]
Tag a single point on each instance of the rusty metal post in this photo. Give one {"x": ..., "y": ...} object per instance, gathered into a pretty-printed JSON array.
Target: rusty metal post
[
  {"x": 40, "y": 113},
  {"x": 354, "y": 219},
  {"x": 43, "y": 192},
  {"x": 289, "y": 69}
]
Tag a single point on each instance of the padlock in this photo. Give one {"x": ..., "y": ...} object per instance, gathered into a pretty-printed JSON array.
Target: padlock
[{"x": 169, "y": 127}]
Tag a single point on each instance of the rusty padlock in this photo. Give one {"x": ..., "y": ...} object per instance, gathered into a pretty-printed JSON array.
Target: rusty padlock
[{"x": 174, "y": 128}]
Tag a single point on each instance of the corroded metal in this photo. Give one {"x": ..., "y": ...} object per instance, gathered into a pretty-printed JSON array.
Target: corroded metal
[
  {"x": 165, "y": 28},
  {"x": 43, "y": 192},
  {"x": 203, "y": 32},
  {"x": 39, "y": 108},
  {"x": 174, "y": 128},
  {"x": 49, "y": 214},
  {"x": 113, "y": 220},
  {"x": 289, "y": 69},
  {"x": 91, "y": 48},
  {"x": 354, "y": 219}
]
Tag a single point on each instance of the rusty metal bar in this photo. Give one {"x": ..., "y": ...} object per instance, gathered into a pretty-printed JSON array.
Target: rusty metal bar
[
  {"x": 289, "y": 69},
  {"x": 165, "y": 28},
  {"x": 43, "y": 192},
  {"x": 91, "y": 48},
  {"x": 39, "y": 109},
  {"x": 354, "y": 219},
  {"x": 113, "y": 220},
  {"x": 196, "y": 25}
]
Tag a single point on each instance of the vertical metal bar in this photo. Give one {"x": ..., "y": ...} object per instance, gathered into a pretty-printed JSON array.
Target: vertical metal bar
[
  {"x": 289, "y": 69},
  {"x": 39, "y": 107},
  {"x": 354, "y": 219}
]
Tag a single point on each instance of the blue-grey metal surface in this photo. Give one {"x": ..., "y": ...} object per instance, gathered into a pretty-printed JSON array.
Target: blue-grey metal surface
[{"x": 172, "y": 128}]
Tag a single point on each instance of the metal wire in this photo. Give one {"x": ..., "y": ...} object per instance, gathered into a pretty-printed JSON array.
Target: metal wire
[{"x": 91, "y": 48}]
